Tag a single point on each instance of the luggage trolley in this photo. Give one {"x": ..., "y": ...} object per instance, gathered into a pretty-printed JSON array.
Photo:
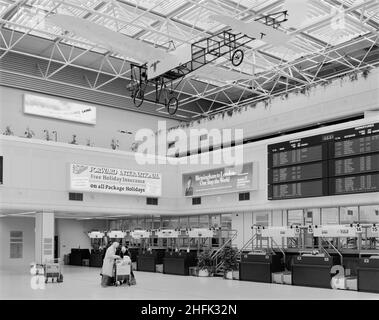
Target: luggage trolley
[
  {"x": 53, "y": 270},
  {"x": 122, "y": 271}
]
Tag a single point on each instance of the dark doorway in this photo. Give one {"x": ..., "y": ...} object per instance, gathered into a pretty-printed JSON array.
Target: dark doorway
[{"x": 56, "y": 247}]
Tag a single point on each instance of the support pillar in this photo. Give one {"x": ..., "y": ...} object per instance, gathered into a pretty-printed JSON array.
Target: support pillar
[{"x": 44, "y": 237}]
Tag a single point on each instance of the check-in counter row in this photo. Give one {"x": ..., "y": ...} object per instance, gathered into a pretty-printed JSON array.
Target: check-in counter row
[{"x": 309, "y": 270}]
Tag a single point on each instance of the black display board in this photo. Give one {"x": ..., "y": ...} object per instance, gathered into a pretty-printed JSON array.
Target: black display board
[
  {"x": 355, "y": 184},
  {"x": 336, "y": 163}
]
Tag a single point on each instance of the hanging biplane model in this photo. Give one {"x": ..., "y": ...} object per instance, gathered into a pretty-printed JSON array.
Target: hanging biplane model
[{"x": 162, "y": 71}]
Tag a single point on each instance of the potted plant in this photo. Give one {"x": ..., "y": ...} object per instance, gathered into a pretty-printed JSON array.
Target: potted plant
[
  {"x": 205, "y": 264},
  {"x": 228, "y": 256}
]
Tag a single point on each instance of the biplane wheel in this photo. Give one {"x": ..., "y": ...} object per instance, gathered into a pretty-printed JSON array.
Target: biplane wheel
[
  {"x": 237, "y": 57},
  {"x": 138, "y": 97},
  {"x": 172, "y": 105}
]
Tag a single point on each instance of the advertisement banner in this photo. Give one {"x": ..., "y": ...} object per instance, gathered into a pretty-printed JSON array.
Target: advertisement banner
[
  {"x": 88, "y": 178},
  {"x": 219, "y": 181},
  {"x": 59, "y": 109}
]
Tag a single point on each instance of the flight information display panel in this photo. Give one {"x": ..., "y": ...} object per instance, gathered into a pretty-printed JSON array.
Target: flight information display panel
[
  {"x": 356, "y": 165},
  {"x": 335, "y": 163},
  {"x": 299, "y": 172},
  {"x": 296, "y": 152},
  {"x": 356, "y": 146},
  {"x": 297, "y": 156},
  {"x": 355, "y": 184},
  {"x": 304, "y": 189}
]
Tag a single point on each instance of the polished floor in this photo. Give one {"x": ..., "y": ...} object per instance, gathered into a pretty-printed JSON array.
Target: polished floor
[{"x": 84, "y": 283}]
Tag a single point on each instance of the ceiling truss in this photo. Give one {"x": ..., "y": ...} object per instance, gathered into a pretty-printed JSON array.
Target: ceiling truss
[{"x": 317, "y": 53}]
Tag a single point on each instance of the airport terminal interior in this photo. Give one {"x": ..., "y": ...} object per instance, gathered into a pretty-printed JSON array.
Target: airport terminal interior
[{"x": 189, "y": 149}]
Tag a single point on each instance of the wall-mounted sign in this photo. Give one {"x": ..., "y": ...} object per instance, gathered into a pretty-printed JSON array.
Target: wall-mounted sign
[
  {"x": 89, "y": 178},
  {"x": 59, "y": 109},
  {"x": 337, "y": 231},
  {"x": 168, "y": 233},
  {"x": 223, "y": 180},
  {"x": 140, "y": 234}
]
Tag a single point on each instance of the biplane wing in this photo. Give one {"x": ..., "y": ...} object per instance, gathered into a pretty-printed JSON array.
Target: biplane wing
[
  {"x": 218, "y": 74},
  {"x": 157, "y": 61},
  {"x": 255, "y": 30},
  {"x": 111, "y": 40}
]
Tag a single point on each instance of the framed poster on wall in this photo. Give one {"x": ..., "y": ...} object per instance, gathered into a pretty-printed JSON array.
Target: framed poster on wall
[
  {"x": 88, "y": 178},
  {"x": 62, "y": 109},
  {"x": 221, "y": 180}
]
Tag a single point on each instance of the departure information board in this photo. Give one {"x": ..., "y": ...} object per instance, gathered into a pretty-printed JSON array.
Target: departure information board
[
  {"x": 354, "y": 165},
  {"x": 298, "y": 172},
  {"x": 355, "y": 184},
  {"x": 302, "y": 155},
  {"x": 336, "y": 163},
  {"x": 303, "y": 189},
  {"x": 356, "y": 146}
]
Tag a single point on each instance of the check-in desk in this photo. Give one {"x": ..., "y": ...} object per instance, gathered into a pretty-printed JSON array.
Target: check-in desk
[
  {"x": 134, "y": 252},
  {"x": 313, "y": 270},
  {"x": 259, "y": 267},
  {"x": 96, "y": 259},
  {"x": 179, "y": 262},
  {"x": 77, "y": 256},
  {"x": 368, "y": 274},
  {"x": 147, "y": 260}
]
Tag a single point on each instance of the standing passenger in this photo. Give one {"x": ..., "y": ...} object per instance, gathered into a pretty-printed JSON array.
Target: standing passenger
[{"x": 108, "y": 263}]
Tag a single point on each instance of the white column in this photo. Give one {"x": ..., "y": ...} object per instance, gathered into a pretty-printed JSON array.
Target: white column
[{"x": 44, "y": 237}]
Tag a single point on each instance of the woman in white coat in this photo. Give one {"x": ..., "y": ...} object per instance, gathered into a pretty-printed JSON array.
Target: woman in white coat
[{"x": 107, "y": 270}]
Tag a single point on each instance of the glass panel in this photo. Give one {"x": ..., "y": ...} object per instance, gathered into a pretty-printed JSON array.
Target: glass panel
[
  {"x": 193, "y": 221},
  {"x": 215, "y": 221},
  {"x": 16, "y": 251},
  {"x": 295, "y": 217},
  {"x": 166, "y": 223},
  {"x": 183, "y": 222},
  {"x": 369, "y": 214},
  {"x": 148, "y": 223},
  {"x": 329, "y": 216},
  {"x": 313, "y": 215},
  {"x": 204, "y": 221},
  {"x": 348, "y": 215},
  {"x": 133, "y": 223},
  {"x": 157, "y": 223},
  {"x": 261, "y": 218},
  {"x": 174, "y": 223},
  {"x": 226, "y": 221},
  {"x": 16, "y": 240}
]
